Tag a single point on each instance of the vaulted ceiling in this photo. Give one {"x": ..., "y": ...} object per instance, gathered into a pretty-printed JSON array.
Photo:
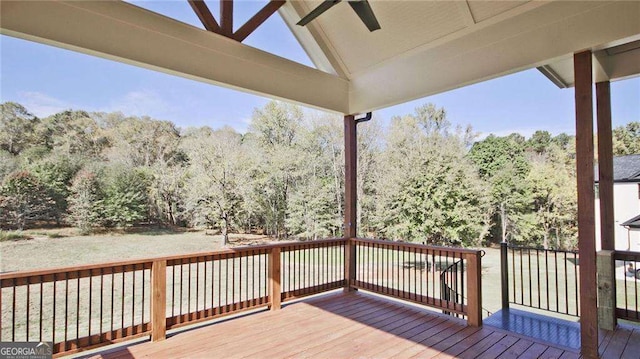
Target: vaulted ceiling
[{"x": 423, "y": 48}]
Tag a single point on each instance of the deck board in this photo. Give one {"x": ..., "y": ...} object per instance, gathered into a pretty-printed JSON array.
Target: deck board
[
  {"x": 618, "y": 342},
  {"x": 516, "y": 349},
  {"x": 498, "y": 348},
  {"x": 632, "y": 349},
  {"x": 347, "y": 325}
]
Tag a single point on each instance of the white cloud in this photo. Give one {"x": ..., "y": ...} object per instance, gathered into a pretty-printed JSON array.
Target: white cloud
[
  {"x": 42, "y": 105},
  {"x": 141, "y": 103}
]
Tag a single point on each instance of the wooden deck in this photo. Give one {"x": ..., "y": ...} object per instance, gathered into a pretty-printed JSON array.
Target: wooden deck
[
  {"x": 360, "y": 325},
  {"x": 623, "y": 343}
]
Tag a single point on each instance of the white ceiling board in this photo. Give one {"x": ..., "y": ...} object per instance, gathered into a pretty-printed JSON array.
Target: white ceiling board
[
  {"x": 485, "y": 9},
  {"x": 126, "y": 33},
  {"x": 405, "y": 26},
  {"x": 521, "y": 42}
]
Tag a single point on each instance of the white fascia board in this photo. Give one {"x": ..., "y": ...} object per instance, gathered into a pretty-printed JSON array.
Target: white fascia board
[
  {"x": 525, "y": 41},
  {"x": 123, "y": 32}
]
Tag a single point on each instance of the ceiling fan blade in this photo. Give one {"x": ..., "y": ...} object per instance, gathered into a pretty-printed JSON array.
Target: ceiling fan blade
[
  {"x": 364, "y": 11},
  {"x": 324, "y": 6}
]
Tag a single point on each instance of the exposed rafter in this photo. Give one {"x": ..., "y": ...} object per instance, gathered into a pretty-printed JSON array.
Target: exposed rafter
[
  {"x": 205, "y": 16},
  {"x": 226, "y": 17},
  {"x": 225, "y": 28},
  {"x": 257, "y": 19}
]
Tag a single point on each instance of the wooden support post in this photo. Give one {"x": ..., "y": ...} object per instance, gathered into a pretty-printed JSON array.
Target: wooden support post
[
  {"x": 474, "y": 289},
  {"x": 504, "y": 274},
  {"x": 586, "y": 207},
  {"x": 606, "y": 264},
  {"x": 274, "y": 279},
  {"x": 606, "y": 290},
  {"x": 350, "y": 197},
  {"x": 158, "y": 300},
  {"x": 605, "y": 165}
]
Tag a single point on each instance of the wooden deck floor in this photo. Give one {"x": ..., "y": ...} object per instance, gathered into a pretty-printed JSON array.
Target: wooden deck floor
[
  {"x": 623, "y": 343},
  {"x": 353, "y": 325}
]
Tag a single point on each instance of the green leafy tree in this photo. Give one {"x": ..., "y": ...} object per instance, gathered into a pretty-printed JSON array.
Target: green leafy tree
[
  {"x": 16, "y": 128},
  {"x": 552, "y": 220},
  {"x": 314, "y": 208},
  {"x": 74, "y": 133},
  {"x": 24, "y": 200},
  {"x": 501, "y": 162},
  {"x": 125, "y": 197},
  {"x": 626, "y": 139},
  {"x": 142, "y": 141},
  {"x": 429, "y": 189},
  {"x": 311, "y": 210},
  {"x": 167, "y": 191},
  {"x": 86, "y": 209},
  {"x": 276, "y": 130},
  {"x": 369, "y": 154},
  {"x": 56, "y": 175},
  {"x": 8, "y": 163},
  {"x": 539, "y": 141},
  {"x": 213, "y": 198}
]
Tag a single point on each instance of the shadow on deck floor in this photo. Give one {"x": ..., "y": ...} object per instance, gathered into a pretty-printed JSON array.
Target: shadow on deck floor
[{"x": 549, "y": 329}]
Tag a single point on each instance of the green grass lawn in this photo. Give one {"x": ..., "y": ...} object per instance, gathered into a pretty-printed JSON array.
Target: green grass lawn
[{"x": 68, "y": 249}]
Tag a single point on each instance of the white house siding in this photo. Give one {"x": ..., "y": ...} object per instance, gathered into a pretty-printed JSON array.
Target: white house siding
[{"x": 626, "y": 196}]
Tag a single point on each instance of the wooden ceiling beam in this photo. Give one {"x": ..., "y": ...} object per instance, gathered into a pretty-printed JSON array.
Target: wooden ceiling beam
[
  {"x": 205, "y": 16},
  {"x": 261, "y": 16},
  {"x": 226, "y": 17}
]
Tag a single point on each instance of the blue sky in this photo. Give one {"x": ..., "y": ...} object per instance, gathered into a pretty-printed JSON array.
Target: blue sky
[{"x": 47, "y": 79}]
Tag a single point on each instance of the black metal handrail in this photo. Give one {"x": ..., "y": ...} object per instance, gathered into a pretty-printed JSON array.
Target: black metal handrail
[
  {"x": 449, "y": 291},
  {"x": 627, "y": 288},
  {"x": 545, "y": 279}
]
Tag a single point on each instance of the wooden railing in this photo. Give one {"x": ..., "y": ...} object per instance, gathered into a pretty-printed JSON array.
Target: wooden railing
[
  {"x": 627, "y": 289},
  {"x": 412, "y": 272},
  {"x": 79, "y": 308},
  {"x": 312, "y": 267}
]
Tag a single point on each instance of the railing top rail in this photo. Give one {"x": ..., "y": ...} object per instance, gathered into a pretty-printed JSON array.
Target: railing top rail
[
  {"x": 626, "y": 255},
  {"x": 510, "y": 245},
  {"x": 419, "y": 246},
  {"x": 97, "y": 266}
]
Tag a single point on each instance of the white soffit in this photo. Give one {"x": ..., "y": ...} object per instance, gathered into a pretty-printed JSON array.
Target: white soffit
[
  {"x": 123, "y": 32},
  {"x": 612, "y": 63}
]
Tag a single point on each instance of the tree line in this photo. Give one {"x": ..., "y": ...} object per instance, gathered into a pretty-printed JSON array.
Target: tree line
[{"x": 420, "y": 179}]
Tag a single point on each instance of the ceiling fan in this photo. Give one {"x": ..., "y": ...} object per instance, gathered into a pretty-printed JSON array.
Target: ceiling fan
[{"x": 361, "y": 7}]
